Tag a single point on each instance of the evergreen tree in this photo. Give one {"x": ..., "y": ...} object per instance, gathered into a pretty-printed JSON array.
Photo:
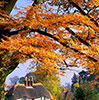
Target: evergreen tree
[
  {"x": 74, "y": 80},
  {"x": 83, "y": 76}
]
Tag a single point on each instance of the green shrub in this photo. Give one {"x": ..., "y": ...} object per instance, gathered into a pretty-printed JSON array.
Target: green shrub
[
  {"x": 84, "y": 92},
  {"x": 79, "y": 93}
]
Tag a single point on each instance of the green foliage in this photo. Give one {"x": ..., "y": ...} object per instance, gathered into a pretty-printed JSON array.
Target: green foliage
[
  {"x": 51, "y": 83},
  {"x": 5, "y": 70},
  {"x": 85, "y": 92},
  {"x": 74, "y": 80},
  {"x": 79, "y": 93}
]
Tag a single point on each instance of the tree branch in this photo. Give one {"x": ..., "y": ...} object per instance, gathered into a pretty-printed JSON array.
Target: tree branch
[
  {"x": 62, "y": 43},
  {"x": 83, "y": 13},
  {"x": 65, "y": 44},
  {"x": 80, "y": 39}
]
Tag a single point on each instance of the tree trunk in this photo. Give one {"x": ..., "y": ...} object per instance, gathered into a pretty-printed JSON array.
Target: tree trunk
[
  {"x": 5, "y": 70},
  {"x": 3, "y": 74},
  {"x": 9, "y": 5}
]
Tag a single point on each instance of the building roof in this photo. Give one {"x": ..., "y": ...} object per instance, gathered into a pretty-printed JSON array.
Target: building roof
[{"x": 35, "y": 91}]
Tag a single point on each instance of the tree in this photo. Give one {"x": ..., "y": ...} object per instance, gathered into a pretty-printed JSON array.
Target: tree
[
  {"x": 22, "y": 79},
  {"x": 85, "y": 92},
  {"x": 74, "y": 79},
  {"x": 5, "y": 7},
  {"x": 70, "y": 27},
  {"x": 68, "y": 86},
  {"x": 51, "y": 82},
  {"x": 83, "y": 75},
  {"x": 8, "y": 5}
]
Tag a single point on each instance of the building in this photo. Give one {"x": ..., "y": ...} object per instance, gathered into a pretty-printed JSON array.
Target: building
[{"x": 28, "y": 91}]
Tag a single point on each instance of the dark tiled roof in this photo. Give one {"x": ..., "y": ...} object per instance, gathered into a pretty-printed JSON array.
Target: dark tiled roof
[{"x": 37, "y": 91}]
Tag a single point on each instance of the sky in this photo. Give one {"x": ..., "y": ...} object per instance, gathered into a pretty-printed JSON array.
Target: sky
[{"x": 22, "y": 69}]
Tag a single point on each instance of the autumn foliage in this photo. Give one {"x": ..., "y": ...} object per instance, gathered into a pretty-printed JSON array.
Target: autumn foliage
[{"x": 54, "y": 33}]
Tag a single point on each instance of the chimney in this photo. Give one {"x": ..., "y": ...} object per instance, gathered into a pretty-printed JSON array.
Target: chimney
[
  {"x": 26, "y": 82},
  {"x": 32, "y": 82},
  {"x": 29, "y": 81}
]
